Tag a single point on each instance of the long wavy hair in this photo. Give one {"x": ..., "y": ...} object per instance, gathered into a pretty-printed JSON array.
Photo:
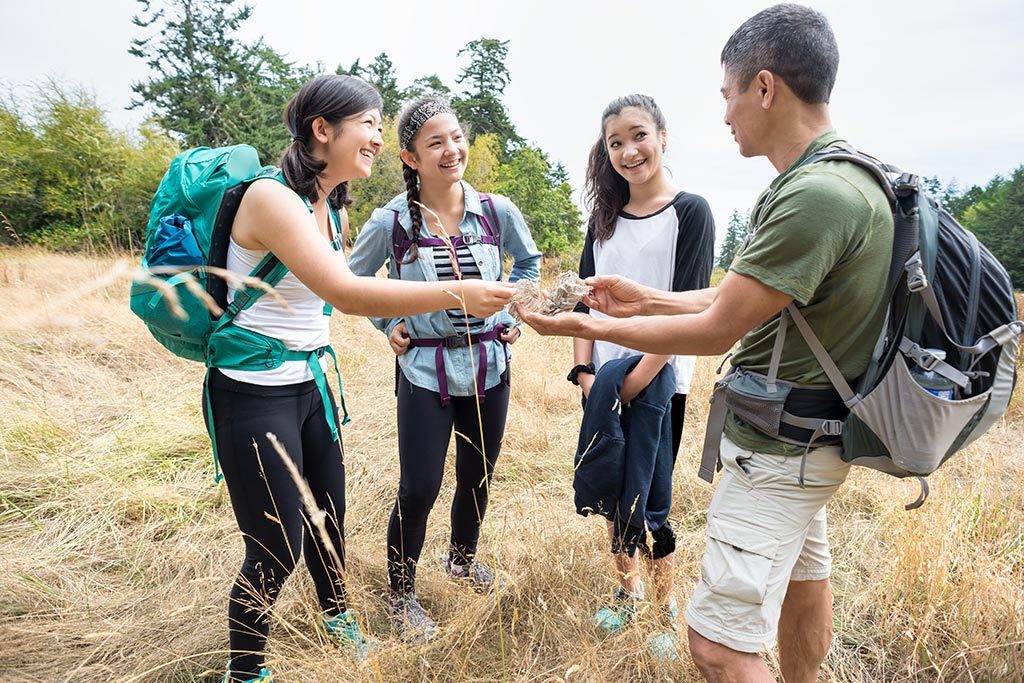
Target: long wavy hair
[
  {"x": 605, "y": 191},
  {"x": 335, "y": 98}
]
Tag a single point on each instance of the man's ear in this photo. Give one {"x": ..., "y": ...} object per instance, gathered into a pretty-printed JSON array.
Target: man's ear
[
  {"x": 408, "y": 158},
  {"x": 766, "y": 85}
]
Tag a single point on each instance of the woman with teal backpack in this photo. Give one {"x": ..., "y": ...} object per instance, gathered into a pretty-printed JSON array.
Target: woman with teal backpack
[
  {"x": 335, "y": 126},
  {"x": 452, "y": 368}
]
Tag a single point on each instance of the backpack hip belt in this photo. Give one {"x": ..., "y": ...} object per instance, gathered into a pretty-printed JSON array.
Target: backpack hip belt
[
  {"x": 745, "y": 394},
  {"x": 275, "y": 356},
  {"x": 457, "y": 342}
]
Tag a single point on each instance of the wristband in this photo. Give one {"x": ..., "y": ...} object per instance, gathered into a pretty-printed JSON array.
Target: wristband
[{"x": 574, "y": 374}]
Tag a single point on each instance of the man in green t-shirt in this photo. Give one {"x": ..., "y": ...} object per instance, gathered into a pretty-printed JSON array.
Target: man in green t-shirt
[{"x": 822, "y": 239}]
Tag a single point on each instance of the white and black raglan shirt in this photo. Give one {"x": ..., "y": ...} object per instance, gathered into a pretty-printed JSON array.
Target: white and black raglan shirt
[{"x": 671, "y": 249}]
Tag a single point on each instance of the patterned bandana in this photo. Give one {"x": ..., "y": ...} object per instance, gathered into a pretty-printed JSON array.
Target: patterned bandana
[{"x": 424, "y": 113}]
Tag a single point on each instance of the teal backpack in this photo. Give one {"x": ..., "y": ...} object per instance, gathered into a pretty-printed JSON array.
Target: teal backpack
[{"x": 189, "y": 228}]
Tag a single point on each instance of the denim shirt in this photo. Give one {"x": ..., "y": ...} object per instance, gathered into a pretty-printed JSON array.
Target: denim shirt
[{"x": 374, "y": 246}]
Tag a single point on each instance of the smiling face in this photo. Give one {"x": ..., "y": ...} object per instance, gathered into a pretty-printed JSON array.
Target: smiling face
[
  {"x": 439, "y": 151},
  {"x": 634, "y": 144},
  {"x": 744, "y": 114},
  {"x": 353, "y": 144}
]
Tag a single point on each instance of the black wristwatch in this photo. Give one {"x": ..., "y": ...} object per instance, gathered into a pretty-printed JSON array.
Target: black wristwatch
[{"x": 574, "y": 374}]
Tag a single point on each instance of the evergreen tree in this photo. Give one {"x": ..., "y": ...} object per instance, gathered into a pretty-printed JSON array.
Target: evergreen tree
[
  {"x": 428, "y": 86},
  {"x": 484, "y": 80},
  {"x": 735, "y": 234},
  {"x": 997, "y": 218},
  {"x": 207, "y": 86},
  {"x": 381, "y": 75}
]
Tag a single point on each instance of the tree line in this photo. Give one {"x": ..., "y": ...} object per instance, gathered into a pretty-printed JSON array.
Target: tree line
[
  {"x": 994, "y": 212},
  {"x": 71, "y": 180}
]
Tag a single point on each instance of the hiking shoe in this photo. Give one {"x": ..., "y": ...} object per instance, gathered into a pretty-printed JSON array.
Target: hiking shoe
[
  {"x": 411, "y": 621},
  {"x": 478, "y": 574},
  {"x": 665, "y": 644},
  {"x": 345, "y": 630},
  {"x": 622, "y": 610},
  {"x": 264, "y": 676}
]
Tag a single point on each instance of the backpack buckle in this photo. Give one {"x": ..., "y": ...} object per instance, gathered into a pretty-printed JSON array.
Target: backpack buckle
[
  {"x": 906, "y": 185},
  {"x": 832, "y": 427},
  {"x": 916, "y": 279},
  {"x": 926, "y": 360},
  {"x": 456, "y": 342},
  {"x": 469, "y": 239}
]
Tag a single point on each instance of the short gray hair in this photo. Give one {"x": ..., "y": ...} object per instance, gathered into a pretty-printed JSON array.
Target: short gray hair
[{"x": 794, "y": 42}]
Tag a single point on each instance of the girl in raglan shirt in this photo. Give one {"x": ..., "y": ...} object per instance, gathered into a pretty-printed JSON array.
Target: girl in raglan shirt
[{"x": 641, "y": 226}]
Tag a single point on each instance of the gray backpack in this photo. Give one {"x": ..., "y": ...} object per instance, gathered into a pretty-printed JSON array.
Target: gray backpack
[{"x": 952, "y": 317}]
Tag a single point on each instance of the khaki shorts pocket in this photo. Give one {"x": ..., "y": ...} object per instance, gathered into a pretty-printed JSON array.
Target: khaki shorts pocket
[{"x": 738, "y": 560}]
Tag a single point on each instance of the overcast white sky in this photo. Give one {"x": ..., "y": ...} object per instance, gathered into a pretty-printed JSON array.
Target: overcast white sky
[{"x": 935, "y": 87}]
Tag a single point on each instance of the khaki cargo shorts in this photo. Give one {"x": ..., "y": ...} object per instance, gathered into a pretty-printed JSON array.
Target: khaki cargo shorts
[{"x": 763, "y": 531}]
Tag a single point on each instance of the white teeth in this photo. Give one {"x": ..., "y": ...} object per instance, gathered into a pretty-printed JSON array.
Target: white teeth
[
  {"x": 451, "y": 164},
  {"x": 632, "y": 166}
]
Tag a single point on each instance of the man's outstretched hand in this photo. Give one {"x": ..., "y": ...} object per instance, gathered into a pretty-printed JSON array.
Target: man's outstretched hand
[
  {"x": 617, "y": 296},
  {"x": 560, "y": 324}
]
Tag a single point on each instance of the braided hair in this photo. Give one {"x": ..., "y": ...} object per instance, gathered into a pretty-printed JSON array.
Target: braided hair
[
  {"x": 334, "y": 98},
  {"x": 415, "y": 114}
]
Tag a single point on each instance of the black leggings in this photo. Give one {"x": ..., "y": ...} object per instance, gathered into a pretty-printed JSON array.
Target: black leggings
[
  {"x": 424, "y": 431},
  {"x": 263, "y": 492}
]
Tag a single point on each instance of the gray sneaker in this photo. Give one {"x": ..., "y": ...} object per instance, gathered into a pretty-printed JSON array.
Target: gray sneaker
[
  {"x": 411, "y": 621},
  {"x": 478, "y": 574}
]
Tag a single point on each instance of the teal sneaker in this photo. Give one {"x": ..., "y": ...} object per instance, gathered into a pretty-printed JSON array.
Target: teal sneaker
[
  {"x": 622, "y": 610},
  {"x": 664, "y": 645},
  {"x": 345, "y": 630},
  {"x": 264, "y": 676}
]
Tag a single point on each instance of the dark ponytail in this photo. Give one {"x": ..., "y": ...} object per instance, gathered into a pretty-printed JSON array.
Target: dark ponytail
[
  {"x": 415, "y": 114},
  {"x": 605, "y": 191},
  {"x": 335, "y": 98}
]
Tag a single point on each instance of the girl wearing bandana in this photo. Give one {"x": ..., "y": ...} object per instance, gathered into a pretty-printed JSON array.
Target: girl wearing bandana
[
  {"x": 296, "y": 214},
  {"x": 452, "y": 369}
]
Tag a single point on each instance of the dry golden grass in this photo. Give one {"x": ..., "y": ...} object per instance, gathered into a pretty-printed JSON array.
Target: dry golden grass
[{"x": 117, "y": 551}]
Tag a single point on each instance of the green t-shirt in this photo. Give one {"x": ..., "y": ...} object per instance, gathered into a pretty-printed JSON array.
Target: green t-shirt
[{"x": 822, "y": 234}]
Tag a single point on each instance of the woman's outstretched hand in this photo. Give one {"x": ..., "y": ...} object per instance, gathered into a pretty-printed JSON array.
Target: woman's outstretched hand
[
  {"x": 617, "y": 296},
  {"x": 484, "y": 297}
]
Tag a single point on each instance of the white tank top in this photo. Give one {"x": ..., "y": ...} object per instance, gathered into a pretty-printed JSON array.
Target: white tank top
[{"x": 305, "y": 328}]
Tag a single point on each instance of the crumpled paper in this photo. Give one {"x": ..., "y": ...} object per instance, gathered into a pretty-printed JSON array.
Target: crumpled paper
[{"x": 566, "y": 291}]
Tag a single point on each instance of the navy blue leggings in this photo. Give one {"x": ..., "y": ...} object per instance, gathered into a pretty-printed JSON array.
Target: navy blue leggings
[{"x": 267, "y": 505}]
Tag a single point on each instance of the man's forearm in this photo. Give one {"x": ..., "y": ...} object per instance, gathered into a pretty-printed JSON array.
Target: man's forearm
[
  {"x": 674, "y": 303},
  {"x": 683, "y": 335}
]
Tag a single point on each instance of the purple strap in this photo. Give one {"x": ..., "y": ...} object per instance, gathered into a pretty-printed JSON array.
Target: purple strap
[
  {"x": 440, "y": 344},
  {"x": 492, "y": 235}
]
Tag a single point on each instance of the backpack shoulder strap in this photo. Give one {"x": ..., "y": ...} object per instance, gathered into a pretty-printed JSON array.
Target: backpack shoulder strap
[
  {"x": 492, "y": 226},
  {"x": 843, "y": 152}
]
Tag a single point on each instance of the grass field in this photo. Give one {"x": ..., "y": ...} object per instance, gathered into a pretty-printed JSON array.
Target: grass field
[{"x": 117, "y": 550}]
